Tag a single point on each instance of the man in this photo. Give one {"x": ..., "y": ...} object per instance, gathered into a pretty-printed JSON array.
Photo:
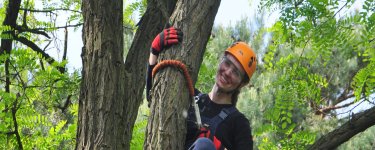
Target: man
[{"x": 224, "y": 126}]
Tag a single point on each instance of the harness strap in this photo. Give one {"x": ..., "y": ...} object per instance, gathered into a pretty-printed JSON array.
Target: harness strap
[{"x": 215, "y": 121}]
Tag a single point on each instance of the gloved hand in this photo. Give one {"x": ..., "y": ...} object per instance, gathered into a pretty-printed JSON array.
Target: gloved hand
[{"x": 166, "y": 38}]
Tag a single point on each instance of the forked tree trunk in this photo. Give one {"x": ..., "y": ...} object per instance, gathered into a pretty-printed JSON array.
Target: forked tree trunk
[
  {"x": 111, "y": 91},
  {"x": 166, "y": 126}
]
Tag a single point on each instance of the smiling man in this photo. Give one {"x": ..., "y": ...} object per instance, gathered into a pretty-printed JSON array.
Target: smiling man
[{"x": 224, "y": 126}]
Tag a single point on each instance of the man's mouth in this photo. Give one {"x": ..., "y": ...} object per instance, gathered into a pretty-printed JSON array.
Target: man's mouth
[{"x": 223, "y": 80}]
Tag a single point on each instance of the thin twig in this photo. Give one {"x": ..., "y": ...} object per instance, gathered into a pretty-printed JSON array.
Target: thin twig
[
  {"x": 50, "y": 10},
  {"x": 60, "y": 27},
  {"x": 350, "y": 109},
  {"x": 15, "y": 124}
]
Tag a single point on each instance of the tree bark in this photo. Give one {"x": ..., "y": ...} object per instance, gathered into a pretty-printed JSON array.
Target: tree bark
[
  {"x": 358, "y": 123},
  {"x": 111, "y": 90},
  {"x": 101, "y": 119},
  {"x": 166, "y": 126}
]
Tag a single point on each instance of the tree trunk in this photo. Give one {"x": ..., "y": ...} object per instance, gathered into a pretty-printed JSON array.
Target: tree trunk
[
  {"x": 358, "y": 123},
  {"x": 166, "y": 126},
  {"x": 101, "y": 122},
  {"x": 111, "y": 91}
]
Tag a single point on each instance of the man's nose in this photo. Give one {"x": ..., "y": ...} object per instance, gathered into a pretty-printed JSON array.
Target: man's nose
[{"x": 229, "y": 71}]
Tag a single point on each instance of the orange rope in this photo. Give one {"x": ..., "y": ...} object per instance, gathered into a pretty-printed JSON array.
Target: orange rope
[{"x": 178, "y": 64}]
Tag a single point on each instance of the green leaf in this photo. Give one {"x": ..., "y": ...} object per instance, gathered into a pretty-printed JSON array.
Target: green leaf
[{"x": 283, "y": 126}]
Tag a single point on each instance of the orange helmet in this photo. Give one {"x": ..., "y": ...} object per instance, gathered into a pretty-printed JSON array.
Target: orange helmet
[{"x": 245, "y": 55}]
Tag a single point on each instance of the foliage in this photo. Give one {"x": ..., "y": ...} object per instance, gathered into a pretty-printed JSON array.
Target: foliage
[
  {"x": 131, "y": 10},
  {"x": 41, "y": 107},
  {"x": 363, "y": 140},
  {"x": 137, "y": 6},
  {"x": 139, "y": 129},
  {"x": 38, "y": 97},
  {"x": 315, "y": 55},
  {"x": 364, "y": 81}
]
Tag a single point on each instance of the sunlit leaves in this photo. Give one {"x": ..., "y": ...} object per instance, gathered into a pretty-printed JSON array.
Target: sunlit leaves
[
  {"x": 364, "y": 81},
  {"x": 130, "y": 10},
  {"x": 5, "y": 31},
  {"x": 138, "y": 134}
]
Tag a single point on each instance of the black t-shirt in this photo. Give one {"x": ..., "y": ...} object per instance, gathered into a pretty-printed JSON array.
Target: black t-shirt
[{"x": 234, "y": 132}]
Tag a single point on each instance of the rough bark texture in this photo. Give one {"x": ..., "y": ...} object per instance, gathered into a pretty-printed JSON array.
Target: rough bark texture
[
  {"x": 101, "y": 122},
  {"x": 166, "y": 127},
  {"x": 358, "y": 123},
  {"x": 111, "y": 91}
]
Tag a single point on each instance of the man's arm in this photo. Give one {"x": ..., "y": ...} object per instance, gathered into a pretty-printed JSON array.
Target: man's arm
[
  {"x": 166, "y": 38},
  {"x": 152, "y": 59}
]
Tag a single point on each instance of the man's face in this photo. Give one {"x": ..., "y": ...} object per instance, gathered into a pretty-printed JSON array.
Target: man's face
[{"x": 230, "y": 74}]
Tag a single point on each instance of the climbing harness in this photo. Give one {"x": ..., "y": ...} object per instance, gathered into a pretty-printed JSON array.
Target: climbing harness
[
  {"x": 210, "y": 125},
  {"x": 180, "y": 65}
]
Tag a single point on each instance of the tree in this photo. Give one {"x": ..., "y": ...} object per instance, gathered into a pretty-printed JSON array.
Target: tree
[
  {"x": 111, "y": 90},
  {"x": 167, "y": 125}
]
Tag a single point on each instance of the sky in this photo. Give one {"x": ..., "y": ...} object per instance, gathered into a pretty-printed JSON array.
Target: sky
[{"x": 228, "y": 13}]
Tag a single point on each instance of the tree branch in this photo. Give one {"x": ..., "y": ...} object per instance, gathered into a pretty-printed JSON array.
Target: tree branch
[
  {"x": 24, "y": 28},
  {"x": 327, "y": 109},
  {"x": 359, "y": 123},
  {"x": 50, "y": 10},
  {"x": 8, "y": 133},
  {"x": 33, "y": 46},
  {"x": 344, "y": 96},
  {"x": 65, "y": 44},
  {"x": 347, "y": 2},
  {"x": 66, "y": 104},
  {"x": 60, "y": 27},
  {"x": 14, "y": 111}
]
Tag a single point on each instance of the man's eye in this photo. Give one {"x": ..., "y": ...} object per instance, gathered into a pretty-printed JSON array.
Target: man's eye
[
  {"x": 226, "y": 63},
  {"x": 236, "y": 73}
]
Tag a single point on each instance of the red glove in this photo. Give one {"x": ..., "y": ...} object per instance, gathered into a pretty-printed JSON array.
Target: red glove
[{"x": 166, "y": 38}]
